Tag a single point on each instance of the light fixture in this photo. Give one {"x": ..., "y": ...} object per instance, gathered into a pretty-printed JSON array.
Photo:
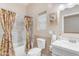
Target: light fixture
[
  {"x": 61, "y": 7},
  {"x": 70, "y": 5}
]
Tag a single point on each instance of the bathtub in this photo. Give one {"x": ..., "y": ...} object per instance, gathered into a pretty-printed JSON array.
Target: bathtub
[
  {"x": 65, "y": 48},
  {"x": 20, "y": 50}
]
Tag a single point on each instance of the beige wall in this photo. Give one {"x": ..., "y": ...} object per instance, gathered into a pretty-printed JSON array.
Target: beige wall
[{"x": 34, "y": 9}]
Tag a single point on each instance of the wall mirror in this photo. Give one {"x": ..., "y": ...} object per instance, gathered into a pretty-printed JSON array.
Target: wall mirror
[{"x": 71, "y": 23}]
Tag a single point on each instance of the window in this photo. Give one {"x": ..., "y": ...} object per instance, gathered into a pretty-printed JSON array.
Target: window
[{"x": 42, "y": 20}]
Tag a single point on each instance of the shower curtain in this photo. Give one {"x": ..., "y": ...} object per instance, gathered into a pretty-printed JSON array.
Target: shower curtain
[
  {"x": 7, "y": 19},
  {"x": 28, "y": 26}
]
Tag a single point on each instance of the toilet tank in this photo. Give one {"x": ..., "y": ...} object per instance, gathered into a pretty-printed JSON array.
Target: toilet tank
[{"x": 41, "y": 43}]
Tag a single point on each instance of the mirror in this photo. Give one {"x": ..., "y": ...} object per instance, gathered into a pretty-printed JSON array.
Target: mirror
[{"x": 71, "y": 23}]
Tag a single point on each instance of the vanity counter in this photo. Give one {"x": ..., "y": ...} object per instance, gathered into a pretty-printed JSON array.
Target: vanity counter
[{"x": 64, "y": 47}]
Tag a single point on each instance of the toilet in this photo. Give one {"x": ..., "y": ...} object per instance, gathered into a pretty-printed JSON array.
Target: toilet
[{"x": 37, "y": 51}]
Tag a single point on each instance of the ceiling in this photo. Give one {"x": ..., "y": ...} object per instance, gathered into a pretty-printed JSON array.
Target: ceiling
[{"x": 25, "y": 4}]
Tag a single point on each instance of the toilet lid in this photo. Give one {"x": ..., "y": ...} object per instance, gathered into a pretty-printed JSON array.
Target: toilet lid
[{"x": 34, "y": 51}]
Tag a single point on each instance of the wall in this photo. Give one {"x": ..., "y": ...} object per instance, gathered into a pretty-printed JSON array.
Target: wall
[
  {"x": 34, "y": 9},
  {"x": 18, "y": 29}
]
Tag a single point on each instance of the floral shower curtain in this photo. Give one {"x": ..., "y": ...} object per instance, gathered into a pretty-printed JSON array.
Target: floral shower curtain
[
  {"x": 28, "y": 26},
  {"x": 7, "y": 19}
]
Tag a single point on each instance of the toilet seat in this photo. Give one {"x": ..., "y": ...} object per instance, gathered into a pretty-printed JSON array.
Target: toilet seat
[{"x": 34, "y": 52}]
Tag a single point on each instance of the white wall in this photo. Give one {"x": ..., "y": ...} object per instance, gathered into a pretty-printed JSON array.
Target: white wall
[{"x": 18, "y": 29}]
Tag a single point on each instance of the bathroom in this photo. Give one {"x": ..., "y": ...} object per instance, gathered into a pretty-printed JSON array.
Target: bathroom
[{"x": 60, "y": 37}]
